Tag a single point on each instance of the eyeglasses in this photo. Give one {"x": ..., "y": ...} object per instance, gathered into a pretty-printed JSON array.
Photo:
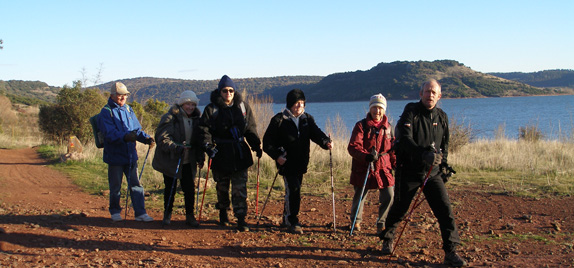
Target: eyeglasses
[{"x": 227, "y": 91}]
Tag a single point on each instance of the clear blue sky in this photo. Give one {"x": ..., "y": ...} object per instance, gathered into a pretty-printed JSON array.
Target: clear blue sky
[{"x": 53, "y": 41}]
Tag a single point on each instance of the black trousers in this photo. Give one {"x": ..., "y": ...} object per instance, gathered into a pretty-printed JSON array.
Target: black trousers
[
  {"x": 438, "y": 200},
  {"x": 187, "y": 186},
  {"x": 292, "y": 198}
]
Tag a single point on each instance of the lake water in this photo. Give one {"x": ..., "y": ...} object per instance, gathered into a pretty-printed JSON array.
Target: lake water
[{"x": 552, "y": 115}]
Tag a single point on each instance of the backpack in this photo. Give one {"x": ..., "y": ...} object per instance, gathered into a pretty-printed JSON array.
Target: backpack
[{"x": 98, "y": 135}]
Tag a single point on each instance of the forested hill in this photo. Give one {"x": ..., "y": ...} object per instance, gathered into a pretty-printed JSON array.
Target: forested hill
[
  {"x": 28, "y": 92},
  {"x": 548, "y": 78},
  {"x": 168, "y": 90},
  {"x": 395, "y": 80},
  {"x": 402, "y": 80}
]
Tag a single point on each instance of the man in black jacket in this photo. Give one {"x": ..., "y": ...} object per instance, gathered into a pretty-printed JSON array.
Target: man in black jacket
[
  {"x": 226, "y": 126},
  {"x": 287, "y": 141},
  {"x": 423, "y": 136}
]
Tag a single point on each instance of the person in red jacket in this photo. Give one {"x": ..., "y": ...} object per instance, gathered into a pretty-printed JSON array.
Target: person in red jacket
[{"x": 370, "y": 146}]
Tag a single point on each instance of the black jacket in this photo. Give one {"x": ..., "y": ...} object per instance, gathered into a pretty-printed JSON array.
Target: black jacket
[
  {"x": 169, "y": 136},
  {"x": 283, "y": 133},
  {"x": 416, "y": 131},
  {"x": 229, "y": 129}
]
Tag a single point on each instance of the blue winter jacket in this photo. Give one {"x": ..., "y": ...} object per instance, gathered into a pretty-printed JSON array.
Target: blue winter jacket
[{"x": 115, "y": 123}]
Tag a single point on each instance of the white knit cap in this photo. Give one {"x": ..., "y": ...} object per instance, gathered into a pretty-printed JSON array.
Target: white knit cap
[
  {"x": 187, "y": 96},
  {"x": 378, "y": 100}
]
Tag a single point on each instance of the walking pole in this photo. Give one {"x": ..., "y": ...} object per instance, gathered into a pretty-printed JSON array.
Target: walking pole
[
  {"x": 257, "y": 195},
  {"x": 173, "y": 185},
  {"x": 145, "y": 160},
  {"x": 360, "y": 199},
  {"x": 332, "y": 187},
  {"x": 267, "y": 199},
  {"x": 204, "y": 188},
  {"x": 128, "y": 188},
  {"x": 139, "y": 179},
  {"x": 415, "y": 205},
  {"x": 198, "y": 184}
]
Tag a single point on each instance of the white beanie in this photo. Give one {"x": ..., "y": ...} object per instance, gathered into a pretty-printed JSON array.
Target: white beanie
[
  {"x": 378, "y": 100},
  {"x": 188, "y": 96}
]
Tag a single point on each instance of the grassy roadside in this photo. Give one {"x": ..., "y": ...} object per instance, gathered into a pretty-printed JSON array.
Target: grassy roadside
[{"x": 539, "y": 169}]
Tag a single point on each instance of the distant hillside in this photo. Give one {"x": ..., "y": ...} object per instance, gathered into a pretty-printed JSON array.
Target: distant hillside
[
  {"x": 168, "y": 90},
  {"x": 395, "y": 80},
  {"x": 548, "y": 78},
  {"x": 28, "y": 92},
  {"x": 402, "y": 80}
]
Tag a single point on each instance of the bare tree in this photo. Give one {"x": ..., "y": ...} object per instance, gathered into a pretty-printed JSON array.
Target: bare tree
[
  {"x": 1, "y": 42},
  {"x": 98, "y": 76}
]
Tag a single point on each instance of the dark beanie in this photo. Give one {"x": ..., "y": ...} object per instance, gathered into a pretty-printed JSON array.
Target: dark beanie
[
  {"x": 293, "y": 96},
  {"x": 226, "y": 82}
]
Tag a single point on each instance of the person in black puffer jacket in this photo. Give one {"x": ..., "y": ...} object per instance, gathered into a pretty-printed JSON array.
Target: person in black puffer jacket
[
  {"x": 179, "y": 150},
  {"x": 287, "y": 141},
  {"x": 227, "y": 126}
]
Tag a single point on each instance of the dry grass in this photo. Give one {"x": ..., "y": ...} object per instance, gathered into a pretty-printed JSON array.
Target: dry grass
[
  {"x": 518, "y": 166},
  {"x": 18, "y": 125}
]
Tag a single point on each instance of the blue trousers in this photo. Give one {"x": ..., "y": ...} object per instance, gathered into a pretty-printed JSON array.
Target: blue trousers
[{"x": 115, "y": 176}]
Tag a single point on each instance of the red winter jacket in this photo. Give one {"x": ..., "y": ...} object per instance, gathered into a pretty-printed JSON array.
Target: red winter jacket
[{"x": 360, "y": 146}]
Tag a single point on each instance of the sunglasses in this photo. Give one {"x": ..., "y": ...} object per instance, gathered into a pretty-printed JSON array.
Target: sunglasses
[{"x": 227, "y": 91}]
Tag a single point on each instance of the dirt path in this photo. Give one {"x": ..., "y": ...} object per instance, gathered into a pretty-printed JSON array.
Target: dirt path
[{"x": 47, "y": 221}]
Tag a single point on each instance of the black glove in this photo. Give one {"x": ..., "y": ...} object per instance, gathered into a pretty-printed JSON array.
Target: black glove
[
  {"x": 446, "y": 172},
  {"x": 258, "y": 152},
  {"x": 131, "y": 136},
  {"x": 432, "y": 159},
  {"x": 373, "y": 156},
  {"x": 210, "y": 150},
  {"x": 149, "y": 141}
]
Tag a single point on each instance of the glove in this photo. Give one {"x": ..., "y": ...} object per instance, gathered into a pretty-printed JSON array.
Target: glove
[
  {"x": 131, "y": 137},
  {"x": 446, "y": 172},
  {"x": 150, "y": 141},
  {"x": 210, "y": 150},
  {"x": 258, "y": 152},
  {"x": 431, "y": 158},
  {"x": 372, "y": 157}
]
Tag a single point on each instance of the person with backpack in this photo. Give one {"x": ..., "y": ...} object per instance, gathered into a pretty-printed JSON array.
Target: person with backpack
[
  {"x": 287, "y": 141},
  {"x": 370, "y": 147},
  {"x": 121, "y": 130},
  {"x": 227, "y": 126},
  {"x": 422, "y": 146},
  {"x": 179, "y": 153}
]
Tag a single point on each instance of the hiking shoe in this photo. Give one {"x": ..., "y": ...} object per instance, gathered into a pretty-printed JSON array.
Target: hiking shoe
[
  {"x": 380, "y": 228},
  {"x": 223, "y": 218},
  {"x": 144, "y": 218},
  {"x": 454, "y": 260},
  {"x": 387, "y": 247},
  {"x": 357, "y": 227},
  {"x": 242, "y": 225},
  {"x": 166, "y": 219},
  {"x": 117, "y": 217},
  {"x": 191, "y": 221},
  {"x": 296, "y": 229}
]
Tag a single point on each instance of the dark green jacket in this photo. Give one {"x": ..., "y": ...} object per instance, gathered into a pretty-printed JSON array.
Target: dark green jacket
[{"x": 170, "y": 135}]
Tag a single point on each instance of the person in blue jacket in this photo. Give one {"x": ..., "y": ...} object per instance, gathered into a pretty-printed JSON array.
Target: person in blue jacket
[{"x": 121, "y": 129}]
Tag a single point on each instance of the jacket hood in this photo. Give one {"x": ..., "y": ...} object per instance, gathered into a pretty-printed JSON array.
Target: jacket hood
[{"x": 216, "y": 98}]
